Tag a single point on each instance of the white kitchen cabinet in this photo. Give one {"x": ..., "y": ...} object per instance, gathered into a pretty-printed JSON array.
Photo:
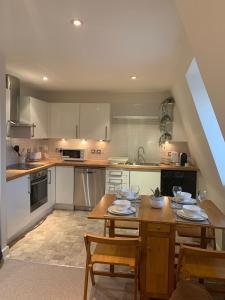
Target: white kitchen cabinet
[
  {"x": 35, "y": 111},
  {"x": 115, "y": 180},
  {"x": 39, "y": 116},
  {"x": 51, "y": 187},
  {"x": 95, "y": 121},
  {"x": 146, "y": 180},
  {"x": 64, "y": 187},
  {"x": 64, "y": 120},
  {"x": 18, "y": 205}
]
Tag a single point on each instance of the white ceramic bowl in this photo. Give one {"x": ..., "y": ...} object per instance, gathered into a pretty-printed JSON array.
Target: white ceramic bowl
[
  {"x": 191, "y": 210},
  {"x": 122, "y": 202},
  {"x": 156, "y": 202},
  {"x": 121, "y": 208},
  {"x": 183, "y": 196}
]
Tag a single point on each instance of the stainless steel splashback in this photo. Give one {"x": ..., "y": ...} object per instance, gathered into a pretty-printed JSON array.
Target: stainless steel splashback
[{"x": 13, "y": 84}]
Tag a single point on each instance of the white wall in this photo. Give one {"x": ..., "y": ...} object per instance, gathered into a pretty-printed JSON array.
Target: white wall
[
  {"x": 205, "y": 27},
  {"x": 2, "y": 154}
]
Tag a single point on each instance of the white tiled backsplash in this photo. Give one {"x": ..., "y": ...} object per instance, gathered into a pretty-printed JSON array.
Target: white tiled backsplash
[{"x": 126, "y": 137}]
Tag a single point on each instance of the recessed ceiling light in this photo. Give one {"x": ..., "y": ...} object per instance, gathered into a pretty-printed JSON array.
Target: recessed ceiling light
[
  {"x": 45, "y": 78},
  {"x": 133, "y": 77},
  {"x": 77, "y": 22}
]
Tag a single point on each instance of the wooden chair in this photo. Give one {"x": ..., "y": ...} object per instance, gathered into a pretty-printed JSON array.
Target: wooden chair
[
  {"x": 127, "y": 225},
  {"x": 195, "y": 233},
  {"x": 112, "y": 251},
  {"x": 202, "y": 264}
]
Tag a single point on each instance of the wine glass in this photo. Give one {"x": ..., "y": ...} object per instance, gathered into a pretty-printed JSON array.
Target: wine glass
[
  {"x": 176, "y": 192},
  {"x": 135, "y": 189}
]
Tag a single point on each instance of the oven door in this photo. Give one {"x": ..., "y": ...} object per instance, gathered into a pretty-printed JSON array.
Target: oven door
[{"x": 39, "y": 193}]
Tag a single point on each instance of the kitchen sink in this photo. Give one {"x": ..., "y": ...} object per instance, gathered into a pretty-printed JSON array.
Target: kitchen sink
[{"x": 143, "y": 164}]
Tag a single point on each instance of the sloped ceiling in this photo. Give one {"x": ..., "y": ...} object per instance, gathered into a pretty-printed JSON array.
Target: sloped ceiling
[{"x": 118, "y": 39}]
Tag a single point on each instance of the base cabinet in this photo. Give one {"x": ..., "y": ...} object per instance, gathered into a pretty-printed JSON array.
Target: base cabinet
[
  {"x": 157, "y": 263},
  {"x": 64, "y": 187},
  {"x": 18, "y": 204},
  {"x": 146, "y": 180}
]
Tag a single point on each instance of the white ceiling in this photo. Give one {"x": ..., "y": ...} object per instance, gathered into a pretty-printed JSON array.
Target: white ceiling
[{"x": 119, "y": 38}]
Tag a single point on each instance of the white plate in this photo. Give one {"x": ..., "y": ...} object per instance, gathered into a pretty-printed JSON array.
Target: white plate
[
  {"x": 186, "y": 201},
  {"x": 131, "y": 210},
  {"x": 198, "y": 217},
  {"x": 132, "y": 199}
]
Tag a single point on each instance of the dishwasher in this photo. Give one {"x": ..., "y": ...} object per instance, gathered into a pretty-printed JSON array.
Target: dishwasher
[{"x": 89, "y": 187}]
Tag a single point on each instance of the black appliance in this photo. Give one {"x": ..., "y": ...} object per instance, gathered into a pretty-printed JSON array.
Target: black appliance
[
  {"x": 38, "y": 189},
  {"x": 186, "y": 179},
  {"x": 183, "y": 159}
]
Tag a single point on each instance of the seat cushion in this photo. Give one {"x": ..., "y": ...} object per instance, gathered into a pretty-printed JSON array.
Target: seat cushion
[
  {"x": 112, "y": 254},
  {"x": 187, "y": 290}
]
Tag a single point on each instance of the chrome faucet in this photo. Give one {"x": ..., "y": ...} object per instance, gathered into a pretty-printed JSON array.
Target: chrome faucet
[{"x": 140, "y": 156}]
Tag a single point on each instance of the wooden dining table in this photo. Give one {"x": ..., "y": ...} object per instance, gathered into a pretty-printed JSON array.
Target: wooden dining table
[{"x": 157, "y": 232}]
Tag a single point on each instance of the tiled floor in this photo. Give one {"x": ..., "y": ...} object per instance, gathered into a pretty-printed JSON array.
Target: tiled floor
[{"x": 58, "y": 240}]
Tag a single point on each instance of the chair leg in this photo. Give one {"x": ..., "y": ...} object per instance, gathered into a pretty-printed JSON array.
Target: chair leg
[
  {"x": 136, "y": 283},
  {"x": 86, "y": 283},
  {"x": 105, "y": 227},
  {"x": 92, "y": 275}
]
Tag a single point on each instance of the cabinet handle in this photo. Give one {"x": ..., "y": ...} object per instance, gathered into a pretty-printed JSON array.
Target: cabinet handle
[
  {"x": 29, "y": 192},
  {"x": 33, "y": 130},
  {"x": 8, "y": 129},
  {"x": 77, "y": 132},
  {"x": 49, "y": 176},
  {"x": 106, "y": 132}
]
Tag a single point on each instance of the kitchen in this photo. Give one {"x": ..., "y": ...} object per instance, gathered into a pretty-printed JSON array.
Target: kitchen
[{"x": 70, "y": 143}]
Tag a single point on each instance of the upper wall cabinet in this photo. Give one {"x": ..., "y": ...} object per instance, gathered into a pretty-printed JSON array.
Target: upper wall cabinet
[
  {"x": 64, "y": 120},
  {"x": 35, "y": 111},
  {"x": 95, "y": 121}
]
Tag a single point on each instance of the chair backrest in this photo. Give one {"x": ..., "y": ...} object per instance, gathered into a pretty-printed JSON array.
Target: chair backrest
[
  {"x": 200, "y": 256},
  {"x": 116, "y": 241},
  {"x": 113, "y": 241}
]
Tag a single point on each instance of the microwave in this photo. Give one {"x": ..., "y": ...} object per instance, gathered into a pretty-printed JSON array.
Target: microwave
[{"x": 73, "y": 154}]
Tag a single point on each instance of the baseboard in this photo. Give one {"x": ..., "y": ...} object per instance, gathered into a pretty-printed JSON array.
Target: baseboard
[
  {"x": 64, "y": 206},
  {"x": 5, "y": 251}
]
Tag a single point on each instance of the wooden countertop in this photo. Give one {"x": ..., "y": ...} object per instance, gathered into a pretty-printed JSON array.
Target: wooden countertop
[
  {"x": 145, "y": 213},
  {"x": 13, "y": 173}
]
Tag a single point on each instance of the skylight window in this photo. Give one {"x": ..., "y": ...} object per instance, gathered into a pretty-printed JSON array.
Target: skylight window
[{"x": 207, "y": 117}]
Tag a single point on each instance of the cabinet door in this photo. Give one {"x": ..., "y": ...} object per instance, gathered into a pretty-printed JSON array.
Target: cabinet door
[
  {"x": 64, "y": 120},
  {"x": 65, "y": 186},
  {"x": 39, "y": 116},
  {"x": 157, "y": 263},
  {"x": 146, "y": 180},
  {"x": 51, "y": 186},
  {"x": 18, "y": 204},
  {"x": 95, "y": 121}
]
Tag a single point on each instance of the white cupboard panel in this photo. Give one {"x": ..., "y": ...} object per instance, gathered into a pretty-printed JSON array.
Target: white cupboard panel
[
  {"x": 146, "y": 180},
  {"x": 39, "y": 116},
  {"x": 64, "y": 120},
  {"x": 18, "y": 204},
  {"x": 64, "y": 185},
  {"x": 95, "y": 121}
]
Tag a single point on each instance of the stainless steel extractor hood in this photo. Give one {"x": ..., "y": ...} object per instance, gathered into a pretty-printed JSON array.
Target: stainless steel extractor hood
[{"x": 13, "y": 85}]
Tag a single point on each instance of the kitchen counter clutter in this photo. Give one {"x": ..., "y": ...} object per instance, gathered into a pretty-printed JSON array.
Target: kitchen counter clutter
[{"x": 15, "y": 173}]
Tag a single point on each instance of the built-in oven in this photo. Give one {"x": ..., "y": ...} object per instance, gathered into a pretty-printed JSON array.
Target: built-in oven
[
  {"x": 38, "y": 189},
  {"x": 73, "y": 154}
]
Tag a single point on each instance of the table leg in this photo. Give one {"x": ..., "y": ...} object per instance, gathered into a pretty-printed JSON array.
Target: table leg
[
  {"x": 111, "y": 234},
  {"x": 203, "y": 238}
]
